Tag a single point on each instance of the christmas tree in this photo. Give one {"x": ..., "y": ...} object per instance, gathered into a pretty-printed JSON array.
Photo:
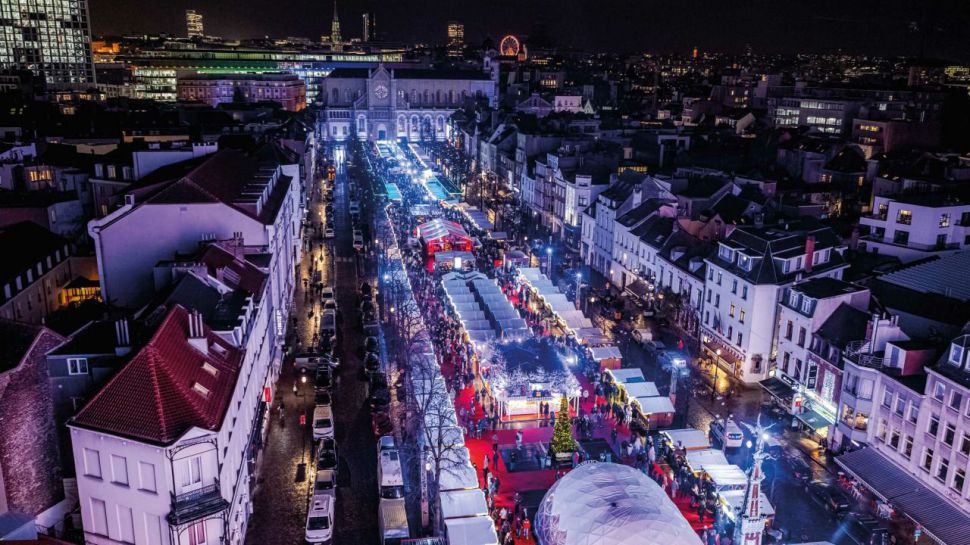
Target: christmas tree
[{"x": 562, "y": 437}]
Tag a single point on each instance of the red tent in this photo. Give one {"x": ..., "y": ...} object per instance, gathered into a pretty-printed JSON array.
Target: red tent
[{"x": 440, "y": 235}]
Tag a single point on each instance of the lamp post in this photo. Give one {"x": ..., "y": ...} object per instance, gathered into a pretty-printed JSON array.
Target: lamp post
[
  {"x": 579, "y": 287},
  {"x": 549, "y": 262},
  {"x": 717, "y": 366}
]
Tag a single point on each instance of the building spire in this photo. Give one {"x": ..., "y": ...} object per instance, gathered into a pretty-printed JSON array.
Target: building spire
[
  {"x": 335, "y": 37},
  {"x": 751, "y": 521}
]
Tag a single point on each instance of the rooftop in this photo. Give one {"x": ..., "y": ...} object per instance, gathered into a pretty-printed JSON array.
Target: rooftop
[
  {"x": 945, "y": 276},
  {"x": 168, "y": 387},
  {"x": 15, "y": 339},
  {"x": 23, "y": 245},
  {"x": 824, "y": 287},
  {"x": 844, "y": 325}
]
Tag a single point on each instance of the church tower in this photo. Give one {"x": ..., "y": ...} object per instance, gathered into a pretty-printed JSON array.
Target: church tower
[
  {"x": 751, "y": 521},
  {"x": 335, "y": 37}
]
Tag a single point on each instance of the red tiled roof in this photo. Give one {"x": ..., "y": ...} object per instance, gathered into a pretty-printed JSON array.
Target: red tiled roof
[{"x": 152, "y": 399}]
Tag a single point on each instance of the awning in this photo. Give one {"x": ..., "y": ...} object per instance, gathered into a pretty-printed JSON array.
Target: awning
[
  {"x": 778, "y": 388},
  {"x": 687, "y": 438},
  {"x": 697, "y": 459},
  {"x": 623, "y": 376},
  {"x": 939, "y": 518},
  {"x": 462, "y": 503},
  {"x": 814, "y": 420},
  {"x": 601, "y": 353},
  {"x": 655, "y": 405},
  {"x": 641, "y": 389},
  {"x": 638, "y": 288}
]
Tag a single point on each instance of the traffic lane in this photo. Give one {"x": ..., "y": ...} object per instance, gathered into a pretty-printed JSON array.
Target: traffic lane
[{"x": 356, "y": 509}]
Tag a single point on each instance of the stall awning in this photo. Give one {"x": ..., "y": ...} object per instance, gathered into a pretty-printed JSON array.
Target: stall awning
[
  {"x": 641, "y": 389},
  {"x": 655, "y": 405},
  {"x": 624, "y": 376},
  {"x": 778, "y": 388},
  {"x": 463, "y": 503},
  {"x": 698, "y": 459},
  {"x": 601, "y": 353},
  {"x": 688, "y": 438},
  {"x": 471, "y": 531},
  {"x": 726, "y": 476},
  {"x": 460, "y": 477},
  {"x": 939, "y": 518}
]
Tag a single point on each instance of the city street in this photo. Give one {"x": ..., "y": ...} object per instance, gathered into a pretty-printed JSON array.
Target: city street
[{"x": 282, "y": 493}]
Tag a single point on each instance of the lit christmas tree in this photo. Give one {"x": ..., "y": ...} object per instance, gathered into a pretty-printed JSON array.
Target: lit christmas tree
[{"x": 562, "y": 437}]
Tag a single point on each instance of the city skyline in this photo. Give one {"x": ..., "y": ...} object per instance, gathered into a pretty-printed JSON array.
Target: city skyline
[{"x": 826, "y": 26}]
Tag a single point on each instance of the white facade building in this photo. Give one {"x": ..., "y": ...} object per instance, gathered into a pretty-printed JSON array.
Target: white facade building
[
  {"x": 915, "y": 226},
  {"x": 746, "y": 279}
]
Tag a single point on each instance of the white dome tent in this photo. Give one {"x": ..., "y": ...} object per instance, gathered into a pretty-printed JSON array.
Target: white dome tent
[{"x": 610, "y": 504}]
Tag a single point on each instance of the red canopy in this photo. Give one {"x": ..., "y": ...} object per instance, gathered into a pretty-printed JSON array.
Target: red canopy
[{"x": 440, "y": 235}]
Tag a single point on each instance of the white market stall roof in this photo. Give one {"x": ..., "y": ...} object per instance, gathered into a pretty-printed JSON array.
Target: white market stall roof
[
  {"x": 735, "y": 498},
  {"x": 471, "y": 531},
  {"x": 609, "y": 352},
  {"x": 688, "y": 438},
  {"x": 458, "y": 477},
  {"x": 655, "y": 405},
  {"x": 698, "y": 459},
  {"x": 726, "y": 476},
  {"x": 592, "y": 336},
  {"x": 462, "y": 503},
  {"x": 625, "y": 376},
  {"x": 641, "y": 389}
]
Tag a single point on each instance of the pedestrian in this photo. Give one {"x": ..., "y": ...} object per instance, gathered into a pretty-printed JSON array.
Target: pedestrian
[
  {"x": 495, "y": 442},
  {"x": 485, "y": 462},
  {"x": 495, "y": 459},
  {"x": 526, "y": 529},
  {"x": 613, "y": 436}
]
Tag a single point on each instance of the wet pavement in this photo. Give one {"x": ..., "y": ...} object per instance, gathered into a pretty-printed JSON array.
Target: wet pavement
[{"x": 282, "y": 495}]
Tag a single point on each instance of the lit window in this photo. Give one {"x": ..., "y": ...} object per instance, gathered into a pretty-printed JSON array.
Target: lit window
[{"x": 77, "y": 366}]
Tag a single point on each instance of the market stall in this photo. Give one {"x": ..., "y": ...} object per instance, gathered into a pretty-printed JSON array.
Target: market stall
[
  {"x": 462, "y": 503},
  {"x": 439, "y": 235},
  {"x": 529, "y": 379},
  {"x": 478, "y": 530},
  {"x": 607, "y": 357},
  {"x": 698, "y": 459},
  {"x": 688, "y": 439},
  {"x": 658, "y": 411}
]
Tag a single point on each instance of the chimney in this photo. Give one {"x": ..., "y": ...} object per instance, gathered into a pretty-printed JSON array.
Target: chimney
[
  {"x": 809, "y": 252},
  {"x": 197, "y": 332},
  {"x": 122, "y": 337}
]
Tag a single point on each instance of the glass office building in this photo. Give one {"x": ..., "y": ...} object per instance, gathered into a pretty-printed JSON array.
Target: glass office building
[{"x": 49, "y": 37}]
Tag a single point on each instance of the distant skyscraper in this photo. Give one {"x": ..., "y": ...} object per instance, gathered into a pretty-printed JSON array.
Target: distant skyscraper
[
  {"x": 51, "y": 37},
  {"x": 193, "y": 24},
  {"x": 456, "y": 39},
  {"x": 335, "y": 37},
  {"x": 369, "y": 27}
]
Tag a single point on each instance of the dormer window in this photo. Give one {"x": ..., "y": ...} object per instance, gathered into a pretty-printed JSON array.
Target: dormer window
[
  {"x": 793, "y": 298},
  {"x": 956, "y": 354},
  {"x": 744, "y": 262},
  {"x": 202, "y": 390},
  {"x": 209, "y": 368},
  {"x": 725, "y": 253},
  {"x": 806, "y": 305}
]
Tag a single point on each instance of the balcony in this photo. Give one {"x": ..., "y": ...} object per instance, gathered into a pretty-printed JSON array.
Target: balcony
[
  {"x": 197, "y": 504},
  {"x": 855, "y": 351}
]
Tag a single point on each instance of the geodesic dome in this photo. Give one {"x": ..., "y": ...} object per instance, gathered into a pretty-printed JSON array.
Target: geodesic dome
[{"x": 610, "y": 504}]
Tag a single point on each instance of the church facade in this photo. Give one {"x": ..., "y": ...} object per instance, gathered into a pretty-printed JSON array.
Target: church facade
[{"x": 391, "y": 104}]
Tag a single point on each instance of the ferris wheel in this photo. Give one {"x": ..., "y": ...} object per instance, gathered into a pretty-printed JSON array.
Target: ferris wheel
[{"x": 509, "y": 46}]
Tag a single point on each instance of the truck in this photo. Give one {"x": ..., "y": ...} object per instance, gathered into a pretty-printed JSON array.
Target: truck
[{"x": 393, "y": 521}]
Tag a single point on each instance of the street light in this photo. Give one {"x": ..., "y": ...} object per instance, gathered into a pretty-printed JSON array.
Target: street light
[{"x": 717, "y": 366}]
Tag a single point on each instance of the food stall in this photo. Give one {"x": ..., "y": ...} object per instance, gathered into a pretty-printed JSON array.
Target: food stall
[
  {"x": 462, "y": 503},
  {"x": 698, "y": 459},
  {"x": 478, "y": 530},
  {"x": 657, "y": 411},
  {"x": 439, "y": 235}
]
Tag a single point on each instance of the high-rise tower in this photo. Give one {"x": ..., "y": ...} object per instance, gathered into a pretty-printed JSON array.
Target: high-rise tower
[
  {"x": 52, "y": 38},
  {"x": 369, "y": 27},
  {"x": 193, "y": 24}
]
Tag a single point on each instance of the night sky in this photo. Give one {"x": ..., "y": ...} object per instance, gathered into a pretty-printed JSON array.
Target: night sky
[{"x": 772, "y": 26}]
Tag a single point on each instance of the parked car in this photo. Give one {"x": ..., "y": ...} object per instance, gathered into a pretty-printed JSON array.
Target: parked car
[
  {"x": 381, "y": 424},
  {"x": 322, "y": 422},
  {"x": 319, "y": 520},
  {"x": 328, "y": 323},
  {"x": 385, "y": 442},
  {"x": 327, "y": 454},
  {"x": 323, "y": 379},
  {"x": 372, "y": 362},
  {"x": 325, "y": 483},
  {"x": 829, "y": 496},
  {"x": 727, "y": 433},
  {"x": 379, "y": 399},
  {"x": 322, "y": 399},
  {"x": 307, "y": 361},
  {"x": 796, "y": 467},
  {"x": 328, "y": 232},
  {"x": 865, "y": 529}
]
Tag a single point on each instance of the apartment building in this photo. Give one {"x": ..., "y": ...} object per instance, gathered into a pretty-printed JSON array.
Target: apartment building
[
  {"x": 747, "y": 277},
  {"x": 37, "y": 265},
  {"x": 918, "y": 225}
]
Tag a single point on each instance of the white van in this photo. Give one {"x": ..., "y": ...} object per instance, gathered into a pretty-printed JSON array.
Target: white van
[
  {"x": 322, "y": 422},
  {"x": 319, "y": 520},
  {"x": 393, "y": 520},
  {"x": 390, "y": 478},
  {"x": 727, "y": 433}
]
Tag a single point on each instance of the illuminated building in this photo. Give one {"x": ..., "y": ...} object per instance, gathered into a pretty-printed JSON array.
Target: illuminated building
[
  {"x": 370, "y": 27},
  {"x": 456, "y": 39},
  {"x": 335, "y": 37},
  {"x": 52, "y": 38},
  {"x": 214, "y": 89},
  {"x": 155, "y": 72},
  {"x": 193, "y": 24},
  {"x": 389, "y": 103}
]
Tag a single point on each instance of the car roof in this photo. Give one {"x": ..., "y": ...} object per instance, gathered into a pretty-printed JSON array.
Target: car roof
[
  {"x": 324, "y": 475},
  {"x": 322, "y": 411},
  {"x": 320, "y": 505}
]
